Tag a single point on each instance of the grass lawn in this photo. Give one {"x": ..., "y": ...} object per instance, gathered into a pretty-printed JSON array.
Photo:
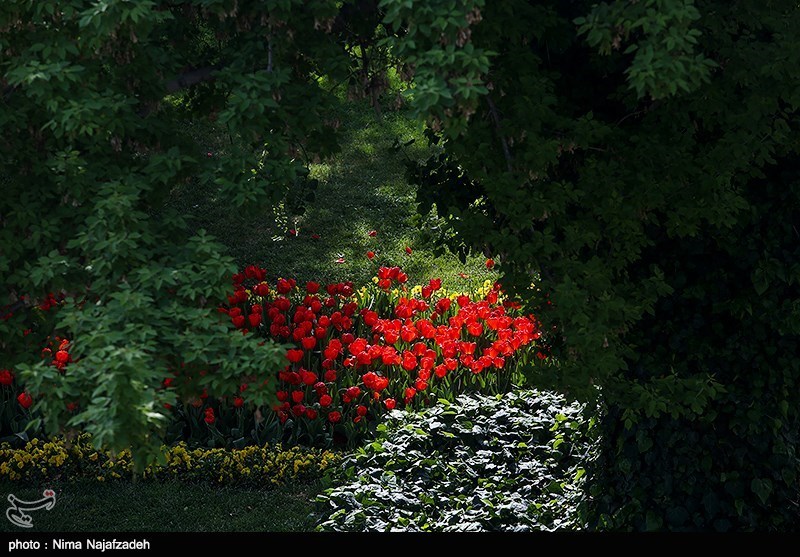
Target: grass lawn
[
  {"x": 362, "y": 188},
  {"x": 167, "y": 507}
]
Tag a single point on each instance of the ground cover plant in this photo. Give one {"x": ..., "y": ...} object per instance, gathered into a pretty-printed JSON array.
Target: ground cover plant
[{"x": 511, "y": 462}]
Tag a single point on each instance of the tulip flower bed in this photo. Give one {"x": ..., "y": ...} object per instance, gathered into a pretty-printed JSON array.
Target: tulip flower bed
[
  {"x": 352, "y": 355},
  {"x": 356, "y": 353}
]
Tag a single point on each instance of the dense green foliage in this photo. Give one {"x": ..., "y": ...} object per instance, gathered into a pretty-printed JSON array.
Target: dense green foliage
[
  {"x": 95, "y": 100},
  {"x": 512, "y": 462},
  {"x": 638, "y": 161}
]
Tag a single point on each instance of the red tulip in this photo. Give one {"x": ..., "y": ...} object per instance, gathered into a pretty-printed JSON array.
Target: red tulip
[
  {"x": 209, "y": 417},
  {"x": 409, "y": 251},
  {"x": 309, "y": 343},
  {"x": 6, "y": 377},
  {"x": 490, "y": 263},
  {"x": 353, "y": 392},
  {"x": 335, "y": 417},
  {"x": 294, "y": 355},
  {"x": 372, "y": 233},
  {"x": 308, "y": 377},
  {"x": 390, "y": 403},
  {"x": 325, "y": 401},
  {"x": 361, "y": 410},
  {"x": 25, "y": 400},
  {"x": 409, "y": 361},
  {"x": 285, "y": 286},
  {"x": 370, "y": 255},
  {"x": 254, "y": 319},
  {"x": 238, "y": 402}
]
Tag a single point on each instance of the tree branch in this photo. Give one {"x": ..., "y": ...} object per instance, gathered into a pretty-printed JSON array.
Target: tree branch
[{"x": 496, "y": 119}]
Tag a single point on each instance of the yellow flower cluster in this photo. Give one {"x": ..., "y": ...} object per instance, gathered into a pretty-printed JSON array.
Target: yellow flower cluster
[
  {"x": 62, "y": 460},
  {"x": 416, "y": 290}
]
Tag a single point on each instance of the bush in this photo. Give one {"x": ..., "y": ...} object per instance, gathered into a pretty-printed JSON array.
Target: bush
[
  {"x": 61, "y": 460},
  {"x": 504, "y": 462}
]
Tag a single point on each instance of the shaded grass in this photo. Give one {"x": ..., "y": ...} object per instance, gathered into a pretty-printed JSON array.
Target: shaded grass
[
  {"x": 167, "y": 507},
  {"x": 362, "y": 188}
]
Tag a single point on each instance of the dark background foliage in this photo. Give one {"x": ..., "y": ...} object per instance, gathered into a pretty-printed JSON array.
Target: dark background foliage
[{"x": 644, "y": 171}]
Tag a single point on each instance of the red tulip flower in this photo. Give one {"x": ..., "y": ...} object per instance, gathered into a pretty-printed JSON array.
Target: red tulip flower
[
  {"x": 25, "y": 400},
  {"x": 294, "y": 355},
  {"x": 6, "y": 377},
  {"x": 309, "y": 343}
]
